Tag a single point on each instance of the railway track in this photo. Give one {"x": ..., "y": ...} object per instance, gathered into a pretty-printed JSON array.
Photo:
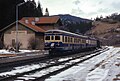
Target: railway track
[{"x": 44, "y": 70}]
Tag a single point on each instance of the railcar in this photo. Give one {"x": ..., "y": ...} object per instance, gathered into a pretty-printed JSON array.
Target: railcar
[{"x": 59, "y": 41}]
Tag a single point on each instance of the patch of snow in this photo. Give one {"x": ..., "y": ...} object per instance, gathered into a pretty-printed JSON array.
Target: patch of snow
[
  {"x": 3, "y": 51},
  {"x": 76, "y": 60},
  {"x": 43, "y": 72},
  {"x": 67, "y": 75},
  {"x": 15, "y": 56},
  {"x": 29, "y": 51},
  {"x": 25, "y": 78},
  {"x": 18, "y": 80},
  {"x": 99, "y": 68},
  {"x": 6, "y": 52},
  {"x": 64, "y": 59},
  {"x": 52, "y": 62},
  {"x": 22, "y": 69},
  {"x": 97, "y": 75}
]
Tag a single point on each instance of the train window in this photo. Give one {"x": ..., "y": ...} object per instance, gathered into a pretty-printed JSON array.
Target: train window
[
  {"x": 84, "y": 41},
  {"x": 52, "y": 37},
  {"x": 47, "y": 38},
  {"x": 68, "y": 39},
  {"x": 71, "y": 39},
  {"x": 57, "y": 37},
  {"x": 78, "y": 40},
  {"x": 75, "y": 40},
  {"x": 63, "y": 38}
]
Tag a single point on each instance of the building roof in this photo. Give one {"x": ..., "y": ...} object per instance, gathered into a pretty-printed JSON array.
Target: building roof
[
  {"x": 42, "y": 20},
  {"x": 33, "y": 27},
  {"x": 50, "y": 20},
  {"x": 31, "y": 22},
  {"x": 30, "y": 26}
]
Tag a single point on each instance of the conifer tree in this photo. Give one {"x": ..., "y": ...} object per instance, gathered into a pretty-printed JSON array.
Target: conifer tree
[
  {"x": 40, "y": 13},
  {"x": 8, "y": 11}
]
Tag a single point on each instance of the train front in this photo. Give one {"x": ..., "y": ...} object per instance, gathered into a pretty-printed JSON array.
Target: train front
[{"x": 53, "y": 42}]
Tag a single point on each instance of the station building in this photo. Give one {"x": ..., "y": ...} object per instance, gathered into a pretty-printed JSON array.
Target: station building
[{"x": 30, "y": 28}]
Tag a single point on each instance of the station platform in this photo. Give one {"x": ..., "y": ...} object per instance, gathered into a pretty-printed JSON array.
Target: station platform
[{"x": 19, "y": 57}]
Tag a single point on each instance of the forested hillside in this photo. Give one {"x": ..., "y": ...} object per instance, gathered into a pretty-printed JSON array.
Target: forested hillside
[{"x": 75, "y": 24}]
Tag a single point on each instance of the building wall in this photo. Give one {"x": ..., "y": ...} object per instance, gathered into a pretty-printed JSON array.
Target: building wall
[{"x": 24, "y": 34}]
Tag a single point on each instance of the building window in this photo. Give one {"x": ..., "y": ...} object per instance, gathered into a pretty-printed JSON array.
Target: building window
[{"x": 13, "y": 42}]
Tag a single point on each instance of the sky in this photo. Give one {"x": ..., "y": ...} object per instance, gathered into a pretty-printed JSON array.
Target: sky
[{"x": 81, "y": 8}]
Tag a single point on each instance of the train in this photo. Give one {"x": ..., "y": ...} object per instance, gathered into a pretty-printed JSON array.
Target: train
[{"x": 61, "y": 42}]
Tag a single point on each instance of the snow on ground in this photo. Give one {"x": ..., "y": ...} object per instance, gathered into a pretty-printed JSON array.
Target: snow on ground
[
  {"x": 3, "y": 51},
  {"x": 23, "y": 51},
  {"x": 22, "y": 69},
  {"x": 99, "y": 68}
]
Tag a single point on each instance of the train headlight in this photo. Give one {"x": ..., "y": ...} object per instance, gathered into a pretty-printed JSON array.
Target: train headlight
[
  {"x": 46, "y": 44},
  {"x": 52, "y": 45},
  {"x": 58, "y": 44}
]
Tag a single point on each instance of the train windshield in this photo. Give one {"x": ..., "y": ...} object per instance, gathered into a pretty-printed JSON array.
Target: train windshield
[
  {"x": 57, "y": 37},
  {"x": 47, "y": 38}
]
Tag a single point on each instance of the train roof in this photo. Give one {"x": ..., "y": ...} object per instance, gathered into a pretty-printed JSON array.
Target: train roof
[{"x": 66, "y": 32}]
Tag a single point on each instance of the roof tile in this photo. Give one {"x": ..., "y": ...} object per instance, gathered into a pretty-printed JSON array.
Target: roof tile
[
  {"x": 27, "y": 21},
  {"x": 33, "y": 27}
]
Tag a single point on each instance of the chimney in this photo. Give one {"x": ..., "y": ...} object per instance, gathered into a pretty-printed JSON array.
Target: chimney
[
  {"x": 36, "y": 19},
  {"x": 33, "y": 22},
  {"x": 26, "y": 21},
  {"x": 46, "y": 12}
]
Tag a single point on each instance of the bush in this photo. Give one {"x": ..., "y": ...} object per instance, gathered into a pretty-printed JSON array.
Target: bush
[
  {"x": 33, "y": 43},
  {"x": 1, "y": 44}
]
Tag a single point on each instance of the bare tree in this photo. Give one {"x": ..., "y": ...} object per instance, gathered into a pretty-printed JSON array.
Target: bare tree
[{"x": 14, "y": 46}]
